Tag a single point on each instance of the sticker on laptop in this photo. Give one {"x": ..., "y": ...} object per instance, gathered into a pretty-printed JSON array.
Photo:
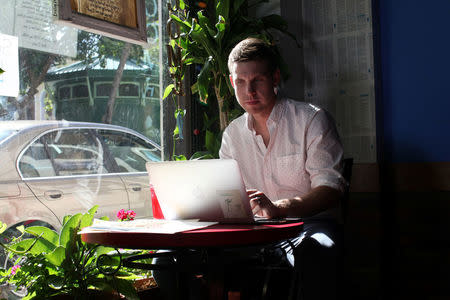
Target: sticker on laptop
[{"x": 231, "y": 204}]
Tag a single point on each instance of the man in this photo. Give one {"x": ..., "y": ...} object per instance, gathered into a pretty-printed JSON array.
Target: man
[{"x": 290, "y": 157}]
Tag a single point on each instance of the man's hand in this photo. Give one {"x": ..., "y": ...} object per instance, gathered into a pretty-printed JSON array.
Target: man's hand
[
  {"x": 261, "y": 205},
  {"x": 316, "y": 201}
]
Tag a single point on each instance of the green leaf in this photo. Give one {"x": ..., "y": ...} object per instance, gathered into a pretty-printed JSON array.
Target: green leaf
[
  {"x": 57, "y": 256},
  {"x": 221, "y": 26},
  {"x": 2, "y": 71},
  {"x": 66, "y": 218},
  {"x": 182, "y": 4},
  {"x": 93, "y": 210},
  {"x": 168, "y": 90},
  {"x": 88, "y": 218},
  {"x": 3, "y": 226},
  {"x": 205, "y": 24},
  {"x": 55, "y": 282},
  {"x": 180, "y": 112},
  {"x": 201, "y": 155},
  {"x": 184, "y": 25},
  {"x": 33, "y": 246},
  {"x": 194, "y": 88},
  {"x": 203, "y": 80},
  {"x": 179, "y": 157},
  {"x": 126, "y": 288},
  {"x": 69, "y": 230},
  {"x": 44, "y": 233},
  {"x": 223, "y": 9},
  {"x": 21, "y": 228}
]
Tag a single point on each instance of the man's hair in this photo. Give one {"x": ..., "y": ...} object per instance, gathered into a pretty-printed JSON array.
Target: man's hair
[{"x": 253, "y": 49}]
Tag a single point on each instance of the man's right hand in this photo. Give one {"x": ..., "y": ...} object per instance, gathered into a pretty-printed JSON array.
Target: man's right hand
[{"x": 261, "y": 205}]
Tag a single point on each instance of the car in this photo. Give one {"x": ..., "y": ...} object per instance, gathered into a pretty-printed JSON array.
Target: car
[{"x": 49, "y": 169}]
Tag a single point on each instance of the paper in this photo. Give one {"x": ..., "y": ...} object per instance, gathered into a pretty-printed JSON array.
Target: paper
[
  {"x": 146, "y": 225},
  {"x": 9, "y": 62},
  {"x": 338, "y": 57},
  {"x": 32, "y": 22}
]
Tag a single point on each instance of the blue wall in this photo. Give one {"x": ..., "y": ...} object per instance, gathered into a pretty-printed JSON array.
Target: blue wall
[{"x": 414, "y": 57}]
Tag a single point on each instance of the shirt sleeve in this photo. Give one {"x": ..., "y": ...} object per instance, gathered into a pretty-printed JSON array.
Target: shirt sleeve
[
  {"x": 225, "y": 147},
  {"x": 324, "y": 152}
]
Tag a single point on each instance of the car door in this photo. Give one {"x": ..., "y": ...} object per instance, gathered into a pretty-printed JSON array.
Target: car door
[
  {"x": 67, "y": 171},
  {"x": 130, "y": 152}
]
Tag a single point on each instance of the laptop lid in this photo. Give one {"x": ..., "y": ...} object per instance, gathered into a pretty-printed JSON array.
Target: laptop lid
[{"x": 209, "y": 190}]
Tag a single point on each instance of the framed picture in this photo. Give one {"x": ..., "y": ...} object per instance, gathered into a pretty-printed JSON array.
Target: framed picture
[{"x": 120, "y": 19}]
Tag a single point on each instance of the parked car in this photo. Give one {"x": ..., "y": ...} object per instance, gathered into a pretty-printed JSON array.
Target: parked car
[{"x": 49, "y": 169}]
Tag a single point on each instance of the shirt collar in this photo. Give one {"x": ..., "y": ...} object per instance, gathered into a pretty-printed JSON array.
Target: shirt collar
[{"x": 274, "y": 117}]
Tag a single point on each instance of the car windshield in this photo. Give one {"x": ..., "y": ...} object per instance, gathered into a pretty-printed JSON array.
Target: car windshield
[{"x": 5, "y": 133}]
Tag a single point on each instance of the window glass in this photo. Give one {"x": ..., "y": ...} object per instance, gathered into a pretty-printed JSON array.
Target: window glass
[
  {"x": 35, "y": 162},
  {"x": 68, "y": 73},
  {"x": 103, "y": 89},
  {"x": 64, "y": 153},
  {"x": 80, "y": 91},
  {"x": 152, "y": 92},
  {"x": 129, "y": 152},
  {"x": 129, "y": 89},
  {"x": 64, "y": 92}
]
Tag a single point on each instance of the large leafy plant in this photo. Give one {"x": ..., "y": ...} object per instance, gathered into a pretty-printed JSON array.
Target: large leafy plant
[
  {"x": 51, "y": 264},
  {"x": 205, "y": 38}
]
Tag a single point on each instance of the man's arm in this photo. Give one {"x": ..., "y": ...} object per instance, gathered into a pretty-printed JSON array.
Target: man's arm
[{"x": 317, "y": 200}]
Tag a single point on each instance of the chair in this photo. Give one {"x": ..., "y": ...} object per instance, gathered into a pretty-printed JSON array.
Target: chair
[
  {"x": 295, "y": 290},
  {"x": 347, "y": 167}
]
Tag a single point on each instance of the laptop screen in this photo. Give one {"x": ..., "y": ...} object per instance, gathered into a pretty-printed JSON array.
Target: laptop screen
[{"x": 210, "y": 189}]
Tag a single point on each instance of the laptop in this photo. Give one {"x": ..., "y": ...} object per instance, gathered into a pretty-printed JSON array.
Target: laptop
[{"x": 207, "y": 190}]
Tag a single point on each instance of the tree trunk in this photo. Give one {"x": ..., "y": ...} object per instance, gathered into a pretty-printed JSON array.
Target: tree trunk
[
  {"x": 107, "y": 118},
  {"x": 223, "y": 115},
  {"x": 27, "y": 103}
]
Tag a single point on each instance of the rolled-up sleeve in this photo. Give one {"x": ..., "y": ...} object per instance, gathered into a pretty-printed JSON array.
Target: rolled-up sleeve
[{"x": 324, "y": 152}]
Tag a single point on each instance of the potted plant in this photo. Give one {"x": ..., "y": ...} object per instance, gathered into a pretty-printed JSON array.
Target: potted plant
[
  {"x": 205, "y": 37},
  {"x": 51, "y": 264}
]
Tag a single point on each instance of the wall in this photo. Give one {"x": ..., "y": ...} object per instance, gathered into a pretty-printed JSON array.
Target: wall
[
  {"x": 397, "y": 242},
  {"x": 414, "y": 147},
  {"x": 415, "y": 63}
]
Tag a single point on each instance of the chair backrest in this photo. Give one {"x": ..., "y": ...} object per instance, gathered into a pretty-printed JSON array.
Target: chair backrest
[{"x": 347, "y": 166}]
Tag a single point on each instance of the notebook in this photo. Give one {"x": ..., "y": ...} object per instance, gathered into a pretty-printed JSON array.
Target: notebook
[{"x": 208, "y": 190}]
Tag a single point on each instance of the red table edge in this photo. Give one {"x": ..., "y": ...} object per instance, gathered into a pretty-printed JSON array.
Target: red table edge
[{"x": 219, "y": 235}]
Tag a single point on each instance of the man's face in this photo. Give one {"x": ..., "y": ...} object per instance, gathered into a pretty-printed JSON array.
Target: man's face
[{"x": 254, "y": 84}]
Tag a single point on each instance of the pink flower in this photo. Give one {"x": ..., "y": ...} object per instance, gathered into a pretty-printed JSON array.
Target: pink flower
[
  {"x": 126, "y": 215},
  {"x": 14, "y": 269},
  {"x": 130, "y": 215},
  {"x": 121, "y": 214}
]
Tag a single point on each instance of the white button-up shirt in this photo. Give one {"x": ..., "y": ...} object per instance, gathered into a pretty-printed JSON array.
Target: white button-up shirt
[{"x": 304, "y": 151}]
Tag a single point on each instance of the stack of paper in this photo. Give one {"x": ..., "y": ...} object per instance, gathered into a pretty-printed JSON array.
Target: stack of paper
[{"x": 146, "y": 225}]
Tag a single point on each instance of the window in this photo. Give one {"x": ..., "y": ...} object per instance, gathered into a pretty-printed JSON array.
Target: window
[
  {"x": 80, "y": 91},
  {"x": 68, "y": 73},
  {"x": 128, "y": 151},
  {"x": 129, "y": 89},
  {"x": 65, "y": 152},
  {"x": 103, "y": 89},
  {"x": 64, "y": 93}
]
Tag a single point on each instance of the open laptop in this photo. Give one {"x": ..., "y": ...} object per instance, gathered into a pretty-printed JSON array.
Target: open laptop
[{"x": 208, "y": 190}]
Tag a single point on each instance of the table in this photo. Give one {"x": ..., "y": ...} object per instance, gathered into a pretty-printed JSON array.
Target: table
[
  {"x": 219, "y": 235},
  {"x": 209, "y": 240}
]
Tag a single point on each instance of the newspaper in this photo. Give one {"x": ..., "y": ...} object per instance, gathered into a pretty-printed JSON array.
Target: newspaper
[{"x": 146, "y": 225}]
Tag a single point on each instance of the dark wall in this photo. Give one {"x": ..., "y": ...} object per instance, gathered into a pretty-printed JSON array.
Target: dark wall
[
  {"x": 413, "y": 85},
  {"x": 414, "y": 63}
]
